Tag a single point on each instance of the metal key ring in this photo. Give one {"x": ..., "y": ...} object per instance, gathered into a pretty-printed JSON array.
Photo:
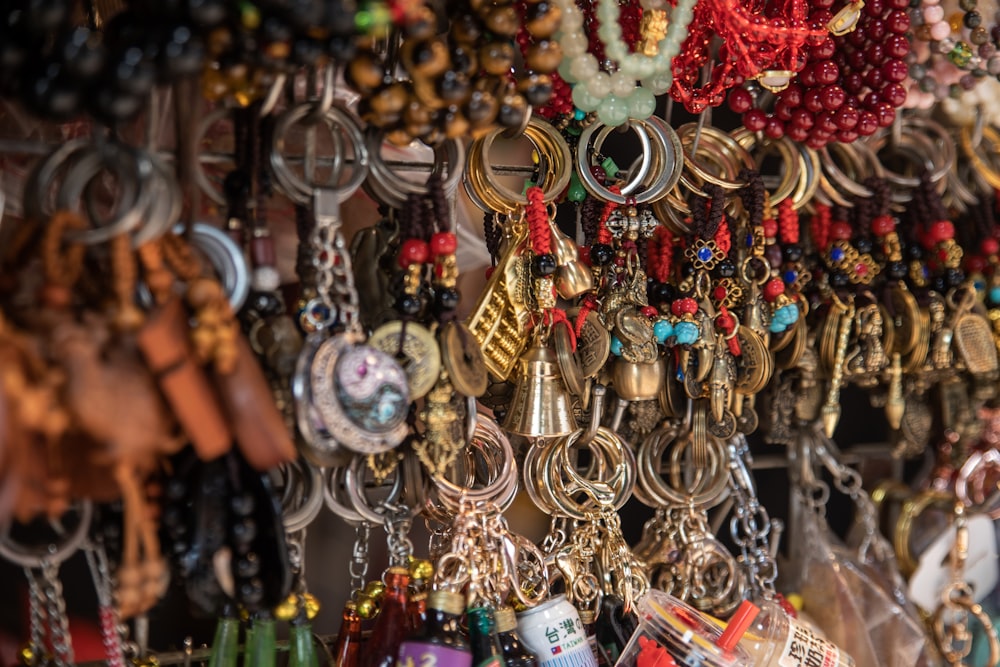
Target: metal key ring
[
  {"x": 311, "y": 500},
  {"x": 390, "y": 189},
  {"x": 502, "y": 490},
  {"x": 37, "y": 189},
  {"x": 335, "y": 480},
  {"x": 353, "y": 482},
  {"x": 583, "y": 159},
  {"x": 166, "y": 206},
  {"x": 54, "y": 553},
  {"x": 618, "y": 488},
  {"x": 791, "y": 179},
  {"x": 650, "y": 454},
  {"x": 537, "y": 491},
  {"x": 300, "y": 190},
  {"x": 481, "y": 181},
  {"x": 133, "y": 169},
  {"x": 717, "y": 140},
  {"x": 666, "y": 163}
]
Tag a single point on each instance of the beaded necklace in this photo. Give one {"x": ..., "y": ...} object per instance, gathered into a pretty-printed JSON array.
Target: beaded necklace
[{"x": 616, "y": 97}]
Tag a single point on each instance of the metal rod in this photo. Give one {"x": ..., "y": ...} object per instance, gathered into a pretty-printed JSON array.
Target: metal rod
[
  {"x": 16, "y": 147},
  {"x": 202, "y": 654}
]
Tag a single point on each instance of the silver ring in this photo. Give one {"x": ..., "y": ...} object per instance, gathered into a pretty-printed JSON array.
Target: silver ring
[
  {"x": 300, "y": 190},
  {"x": 390, "y": 189},
  {"x": 136, "y": 194},
  {"x": 353, "y": 482},
  {"x": 226, "y": 258},
  {"x": 54, "y": 553},
  {"x": 665, "y": 179},
  {"x": 311, "y": 501}
]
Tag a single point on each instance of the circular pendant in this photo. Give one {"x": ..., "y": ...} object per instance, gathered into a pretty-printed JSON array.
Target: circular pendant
[
  {"x": 753, "y": 367},
  {"x": 593, "y": 345},
  {"x": 422, "y": 358},
  {"x": 463, "y": 359},
  {"x": 317, "y": 444},
  {"x": 568, "y": 367},
  {"x": 361, "y": 394}
]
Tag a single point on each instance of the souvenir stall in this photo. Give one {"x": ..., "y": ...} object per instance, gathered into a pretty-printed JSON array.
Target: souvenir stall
[{"x": 524, "y": 333}]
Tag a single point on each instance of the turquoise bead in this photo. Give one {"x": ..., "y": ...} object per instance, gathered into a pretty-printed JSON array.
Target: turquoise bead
[
  {"x": 663, "y": 330},
  {"x": 995, "y": 295},
  {"x": 789, "y": 314},
  {"x": 686, "y": 333},
  {"x": 616, "y": 346},
  {"x": 777, "y": 326}
]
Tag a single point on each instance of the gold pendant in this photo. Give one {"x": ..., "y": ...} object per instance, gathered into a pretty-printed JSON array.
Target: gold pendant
[
  {"x": 500, "y": 318},
  {"x": 831, "y": 409},
  {"x": 443, "y": 438},
  {"x": 421, "y": 358}
]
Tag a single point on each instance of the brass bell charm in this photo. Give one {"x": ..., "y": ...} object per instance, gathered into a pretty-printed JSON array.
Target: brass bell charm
[
  {"x": 573, "y": 278},
  {"x": 637, "y": 381},
  {"x": 541, "y": 406}
]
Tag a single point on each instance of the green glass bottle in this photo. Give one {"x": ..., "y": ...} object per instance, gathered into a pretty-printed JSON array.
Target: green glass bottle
[
  {"x": 225, "y": 646},
  {"x": 486, "y": 649}
]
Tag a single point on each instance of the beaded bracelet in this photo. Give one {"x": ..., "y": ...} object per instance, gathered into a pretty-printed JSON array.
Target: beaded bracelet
[{"x": 615, "y": 97}]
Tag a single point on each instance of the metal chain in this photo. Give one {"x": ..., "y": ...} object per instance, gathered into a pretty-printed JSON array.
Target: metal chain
[
  {"x": 750, "y": 524},
  {"x": 334, "y": 273},
  {"x": 97, "y": 561},
  {"x": 37, "y": 615},
  {"x": 397, "y": 527},
  {"x": 55, "y": 608},
  {"x": 359, "y": 556},
  {"x": 848, "y": 481}
]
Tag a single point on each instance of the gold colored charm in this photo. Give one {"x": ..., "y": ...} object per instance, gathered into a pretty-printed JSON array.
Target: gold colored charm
[
  {"x": 422, "y": 358},
  {"x": 593, "y": 345},
  {"x": 972, "y": 335},
  {"x": 568, "y": 365},
  {"x": 384, "y": 464},
  {"x": 443, "y": 438},
  {"x": 905, "y": 320},
  {"x": 463, "y": 359},
  {"x": 831, "y": 409},
  {"x": 500, "y": 317},
  {"x": 754, "y": 366},
  {"x": 895, "y": 404}
]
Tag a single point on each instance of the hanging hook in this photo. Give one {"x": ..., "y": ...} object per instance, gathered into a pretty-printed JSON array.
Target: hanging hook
[{"x": 596, "y": 409}]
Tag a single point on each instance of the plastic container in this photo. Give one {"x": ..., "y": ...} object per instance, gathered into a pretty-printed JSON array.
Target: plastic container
[
  {"x": 667, "y": 624},
  {"x": 775, "y": 639}
]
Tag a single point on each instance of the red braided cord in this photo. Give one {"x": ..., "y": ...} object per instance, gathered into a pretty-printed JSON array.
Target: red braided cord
[
  {"x": 558, "y": 315},
  {"x": 820, "y": 227},
  {"x": 726, "y": 323},
  {"x": 788, "y": 221},
  {"x": 723, "y": 239},
  {"x": 538, "y": 222},
  {"x": 603, "y": 233},
  {"x": 587, "y": 307}
]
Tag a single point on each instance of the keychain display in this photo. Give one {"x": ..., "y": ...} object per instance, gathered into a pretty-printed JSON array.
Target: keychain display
[{"x": 549, "y": 283}]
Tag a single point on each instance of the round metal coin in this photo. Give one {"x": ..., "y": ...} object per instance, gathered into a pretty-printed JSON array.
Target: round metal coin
[
  {"x": 463, "y": 359},
  {"x": 415, "y": 349}
]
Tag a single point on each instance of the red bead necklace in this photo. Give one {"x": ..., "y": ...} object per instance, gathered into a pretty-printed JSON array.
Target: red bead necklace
[
  {"x": 752, "y": 45},
  {"x": 850, "y": 86}
]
